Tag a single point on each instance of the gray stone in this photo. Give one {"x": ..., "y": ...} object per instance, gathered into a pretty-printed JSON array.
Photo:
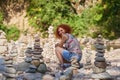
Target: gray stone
[
  {"x": 100, "y": 54},
  {"x": 10, "y": 79},
  {"x": 101, "y": 51},
  {"x": 87, "y": 66},
  {"x": 101, "y": 42},
  {"x": 42, "y": 68},
  {"x": 30, "y": 71},
  {"x": 28, "y": 59},
  {"x": 38, "y": 56},
  {"x": 9, "y": 65},
  {"x": 22, "y": 66},
  {"x": 8, "y": 62},
  {"x": 103, "y": 75},
  {"x": 98, "y": 70},
  {"x": 35, "y": 58},
  {"x": 32, "y": 76},
  {"x": 36, "y": 53},
  {"x": 2, "y": 61},
  {"x": 37, "y": 40},
  {"x": 8, "y": 75},
  {"x": 32, "y": 67},
  {"x": 100, "y": 47},
  {"x": 37, "y": 46},
  {"x": 3, "y": 68},
  {"x": 29, "y": 50},
  {"x": 7, "y": 58},
  {"x": 37, "y": 43},
  {"x": 28, "y": 55},
  {"x": 68, "y": 73},
  {"x": 100, "y": 59},
  {"x": 100, "y": 64},
  {"x": 48, "y": 77},
  {"x": 10, "y": 70}
]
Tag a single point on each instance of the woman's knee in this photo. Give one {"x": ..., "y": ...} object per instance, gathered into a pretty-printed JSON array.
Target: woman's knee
[{"x": 58, "y": 49}]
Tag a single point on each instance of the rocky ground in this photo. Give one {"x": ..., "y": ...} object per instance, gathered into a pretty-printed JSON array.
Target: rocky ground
[
  {"x": 113, "y": 68},
  {"x": 54, "y": 73}
]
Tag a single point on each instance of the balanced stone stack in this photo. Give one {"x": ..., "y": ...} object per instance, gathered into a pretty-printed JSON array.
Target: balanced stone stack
[
  {"x": 28, "y": 54},
  {"x": 13, "y": 51},
  {"x": 3, "y": 43},
  {"x": 37, "y": 58},
  {"x": 99, "y": 69},
  {"x": 49, "y": 46},
  {"x": 88, "y": 64},
  {"x": 34, "y": 65},
  {"x": 74, "y": 65},
  {"x": 10, "y": 73}
]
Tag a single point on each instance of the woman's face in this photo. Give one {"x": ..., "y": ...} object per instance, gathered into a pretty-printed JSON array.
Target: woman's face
[{"x": 61, "y": 31}]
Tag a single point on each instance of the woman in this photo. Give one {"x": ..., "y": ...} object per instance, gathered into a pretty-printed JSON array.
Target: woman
[{"x": 68, "y": 47}]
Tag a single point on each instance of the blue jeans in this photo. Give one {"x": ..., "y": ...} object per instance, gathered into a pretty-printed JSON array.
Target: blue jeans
[{"x": 68, "y": 55}]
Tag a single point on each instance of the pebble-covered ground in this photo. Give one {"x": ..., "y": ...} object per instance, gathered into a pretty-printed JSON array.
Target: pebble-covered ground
[{"x": 113, "y": 68}]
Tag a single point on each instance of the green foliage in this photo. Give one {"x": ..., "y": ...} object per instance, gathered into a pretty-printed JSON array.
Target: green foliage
[
  {"x": 13, "y": 33},
  {"x": 103, "y": 18},
  {"x": 45, "y": 13},
  {"x": 110, "y": 21},
  {"x": 1, "y": 17}
]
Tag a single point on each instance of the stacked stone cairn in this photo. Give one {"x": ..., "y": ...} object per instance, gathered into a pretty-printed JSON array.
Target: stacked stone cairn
[
  {"x": 37, "y": 58},
  {"x": 28, "y": 54},
  {"x": 49, "y": 47},
  {"x": 99, "y": 69},
  {"x": 10, "y": 73},
  {"x": 74, "y": 65},
  {"x": 13, "y": 52},
  {"x": 3, "y": 43},
  {"x": 34, "y": 65},
  {"x": 88, "y": 64}
]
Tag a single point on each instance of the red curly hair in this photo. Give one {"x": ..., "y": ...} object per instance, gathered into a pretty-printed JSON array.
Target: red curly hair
[{"x": 66, "y": 27}]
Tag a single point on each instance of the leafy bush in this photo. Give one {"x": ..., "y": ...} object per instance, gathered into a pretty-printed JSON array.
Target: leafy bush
[
  {"x": 101, "y": 19},
  {"x": 13, "y": 33},
  {"x": 1, "y": 17},
  {"x": 110, "y": 21},
  {"x": 44, "y": 13}
]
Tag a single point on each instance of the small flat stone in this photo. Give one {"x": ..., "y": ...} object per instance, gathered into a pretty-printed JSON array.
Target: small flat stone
[
  {"x": 32, "y": 76},
  {"x": 36, "y": 52},
  {"x": 104, "y": 75},
  {"x": 42, "y": 68},
  {"x": 99, "y": 54},
  {"x": 10, "y": 70},
  {"x": 100, "y": 47},
  {"x": 28, "y": 59},
  {"x": 100, "y": 59},
  {"x": 98, "y": 70},
  {"x": 8, "y": 62},
  {"x": 9, "y": 75},
  {"x": 100, "y": 64},
  {"x": 100, "y": 51},
  {"x": 35, "y": 62}
]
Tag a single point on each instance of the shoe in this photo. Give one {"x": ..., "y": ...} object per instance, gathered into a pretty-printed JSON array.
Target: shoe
[{"x": 65, "y": 65}]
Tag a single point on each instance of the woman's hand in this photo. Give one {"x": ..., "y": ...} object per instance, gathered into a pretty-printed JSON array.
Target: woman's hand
[{"x": 56, "y": 44}]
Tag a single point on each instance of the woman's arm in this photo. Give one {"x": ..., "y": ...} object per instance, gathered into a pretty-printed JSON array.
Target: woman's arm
[{"x": 63, "y": 40}]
